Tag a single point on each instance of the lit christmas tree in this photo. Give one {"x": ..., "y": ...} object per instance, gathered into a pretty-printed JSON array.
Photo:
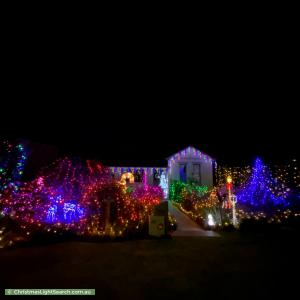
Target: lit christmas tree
[{"x": 261, "y": 191}]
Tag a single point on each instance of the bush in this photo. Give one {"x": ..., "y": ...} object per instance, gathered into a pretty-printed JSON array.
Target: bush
[
  {"x": 172, "y": 226},
  {"x": 8, "y": 224},
  {"x": 250, "y": 225},
  {"x": 258, "y": 226},
  {"x": 228, "y": 228},
  {"x": 187, "y": 204}
]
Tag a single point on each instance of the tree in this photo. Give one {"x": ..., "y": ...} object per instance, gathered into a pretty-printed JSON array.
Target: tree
[{"x": 261, "y": 191}]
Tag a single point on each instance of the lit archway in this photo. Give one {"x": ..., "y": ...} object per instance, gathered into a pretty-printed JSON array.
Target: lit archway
[{"x": 127, "y": 178}]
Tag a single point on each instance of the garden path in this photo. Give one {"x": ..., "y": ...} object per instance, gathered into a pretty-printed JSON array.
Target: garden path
[{"x": 187, "y": 227}]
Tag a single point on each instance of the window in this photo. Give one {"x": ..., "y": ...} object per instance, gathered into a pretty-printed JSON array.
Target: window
[
  {"x": 182, "y": 172},
  {"x": 156, "y": 178},
  {"x": 138, "y": 176},
  {"x": 196, "y": 173}
]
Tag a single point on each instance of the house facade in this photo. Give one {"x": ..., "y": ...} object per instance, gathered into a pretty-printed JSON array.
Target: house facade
[{"x": 188, "y": 165}]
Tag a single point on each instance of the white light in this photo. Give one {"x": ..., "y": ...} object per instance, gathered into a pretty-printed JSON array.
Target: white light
[
  {"x": 211, "y": 221},
  {"x": 164, "y": 184}
]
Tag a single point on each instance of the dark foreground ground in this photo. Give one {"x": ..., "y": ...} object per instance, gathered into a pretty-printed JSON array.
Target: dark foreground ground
[{"x": 230, "y": 267}]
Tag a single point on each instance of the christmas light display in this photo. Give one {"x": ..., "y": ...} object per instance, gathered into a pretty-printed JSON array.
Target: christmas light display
[
  {"x": 257, "y": 195},
  {"x": 127, "y": 178},
  {"x": 135, "y": 170},
  {"x": 81, "y": 197},
  {"x": 188, "y": 152},
  {"x": 286, "y": 177},
  {"x": 164, "y": 184},
  {"x": 210, "y": 220},
  {"x": 53, "y": 197},
  {"x": 240, "y": 174},
  {"x": 176, "y": 188},
  {"x": 67, "y": 212},
  {"x": 201, "y": 208},
  {"x": 96, "y": 198},
  {"x": 12, "y": 161},
  {"x": 289, "y": 175},
  {"x": 259, "y": 191},
  {"x": 148, "y": 195},
  {"x": 278, "y": 216},
  {"x": 180, "y": 189}
]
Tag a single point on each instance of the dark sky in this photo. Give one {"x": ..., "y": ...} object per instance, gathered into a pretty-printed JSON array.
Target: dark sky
[
  {"x": 139, "y": 101},
  {"x": 146, "y": 136}
]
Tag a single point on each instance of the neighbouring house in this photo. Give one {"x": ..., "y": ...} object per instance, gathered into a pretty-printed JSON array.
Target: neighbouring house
[{"x": 188, "y": 165}]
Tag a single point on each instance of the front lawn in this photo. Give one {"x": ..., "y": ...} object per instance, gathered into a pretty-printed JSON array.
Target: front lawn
[{"x": 231, "y": 267}]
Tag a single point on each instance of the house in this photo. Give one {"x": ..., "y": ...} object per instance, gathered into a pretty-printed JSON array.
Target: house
[
  {"x": 191, "y": 165},
  {"x": 188, "y": 165}
]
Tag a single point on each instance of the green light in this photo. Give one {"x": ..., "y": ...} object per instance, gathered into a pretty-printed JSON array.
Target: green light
[{"x": 177, "y": 188}]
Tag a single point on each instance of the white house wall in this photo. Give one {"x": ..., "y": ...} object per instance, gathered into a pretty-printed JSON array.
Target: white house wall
[
  {"x": 207, "y": 173},
  {"x": 206, "y": 170},
  {"x": 188, "y": 156}
]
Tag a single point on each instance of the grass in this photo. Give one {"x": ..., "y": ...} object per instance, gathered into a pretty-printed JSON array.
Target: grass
[{"x": 231, "y": 267}]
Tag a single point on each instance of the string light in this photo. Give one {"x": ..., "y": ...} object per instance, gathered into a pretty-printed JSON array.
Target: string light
[
  {"x": 258, "y": 192},
  {"x": 73, "y": 196},
  {"x": 257, "y": 195},
  {"x": 188, "y": 152},
  {"x": 286, "y": 177},
  {"x": 179, "y": 190},
  {"x": 164, "y": 184},
  {"x": 11, "y": 165}
]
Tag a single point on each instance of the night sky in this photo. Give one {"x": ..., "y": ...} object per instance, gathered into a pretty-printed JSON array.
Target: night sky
[
  {"x": 147, "y": 136},
  {"x": 234, "y": 102}
]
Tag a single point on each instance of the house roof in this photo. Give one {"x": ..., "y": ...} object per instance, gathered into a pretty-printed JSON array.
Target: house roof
[
  {"x": 155, "y": 159},
  {"x": 189, "y": 149}
]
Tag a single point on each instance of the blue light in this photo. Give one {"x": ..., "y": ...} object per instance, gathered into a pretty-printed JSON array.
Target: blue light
[
  {"x": 258, "y": 191},
  {"x": 51, "y": 215},
  {"x": 72, "y": 212},
  {"x": 67, "y": 212}
]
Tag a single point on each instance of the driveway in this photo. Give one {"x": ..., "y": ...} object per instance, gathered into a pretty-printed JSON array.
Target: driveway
[{"x": 186, "y": 226}]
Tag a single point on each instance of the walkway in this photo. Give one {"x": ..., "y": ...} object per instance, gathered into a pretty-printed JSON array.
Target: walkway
[{"x": 186, "y": 227}]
